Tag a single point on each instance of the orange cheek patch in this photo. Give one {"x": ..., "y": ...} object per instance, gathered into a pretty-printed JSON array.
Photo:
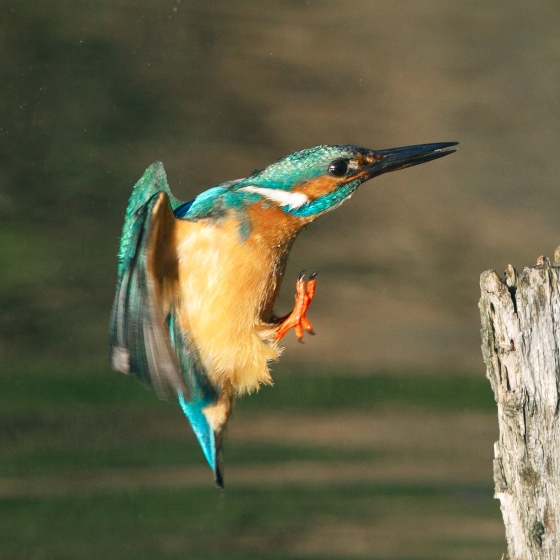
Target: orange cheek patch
[
  {"x": 325, "y": 184},
  {"x": 319, "y": 186}
]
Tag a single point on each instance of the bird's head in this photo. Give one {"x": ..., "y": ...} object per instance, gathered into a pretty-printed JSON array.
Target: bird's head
[{"x": 309, "y": 183}]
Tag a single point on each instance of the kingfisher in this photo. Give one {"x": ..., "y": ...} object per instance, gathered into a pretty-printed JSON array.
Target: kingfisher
[{"x": 193, "y": 315}]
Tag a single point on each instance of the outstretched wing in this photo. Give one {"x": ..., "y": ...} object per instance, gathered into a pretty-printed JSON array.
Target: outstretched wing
[
  {"x": 152, "y": 182},
  {"x": 138, "y": 334},
  {"x": 144, "y": 336}
]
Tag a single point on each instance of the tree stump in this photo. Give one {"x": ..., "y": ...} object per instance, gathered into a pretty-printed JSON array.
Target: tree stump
[{"x": 520, "y": 317}]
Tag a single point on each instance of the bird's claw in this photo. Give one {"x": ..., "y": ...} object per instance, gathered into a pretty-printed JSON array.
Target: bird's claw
[{"x": 297, "y": 318}]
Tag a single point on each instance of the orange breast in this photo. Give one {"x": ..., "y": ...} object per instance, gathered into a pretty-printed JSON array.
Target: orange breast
[{"x": 228, "y": 287}]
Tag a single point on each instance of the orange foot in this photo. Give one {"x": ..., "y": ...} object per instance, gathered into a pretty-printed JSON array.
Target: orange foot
[{"x": 297, "y": 318}]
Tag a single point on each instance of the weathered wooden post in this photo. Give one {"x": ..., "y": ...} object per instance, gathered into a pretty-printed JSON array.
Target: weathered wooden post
[{"x": 521, "y": 348}]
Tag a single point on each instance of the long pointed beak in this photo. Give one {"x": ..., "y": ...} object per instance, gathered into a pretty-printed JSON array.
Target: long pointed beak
[{"x": 407, "y": 156}]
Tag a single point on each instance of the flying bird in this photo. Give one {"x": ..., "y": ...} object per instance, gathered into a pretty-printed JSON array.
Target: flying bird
[{"x": 193, "y": 313}]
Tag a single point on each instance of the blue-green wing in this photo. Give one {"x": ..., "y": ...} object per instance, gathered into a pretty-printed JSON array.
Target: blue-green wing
[
  {"x": 152, "y": 182},
  {"x": 144, "y": 336},
  {"x": 138, "y": 334}
]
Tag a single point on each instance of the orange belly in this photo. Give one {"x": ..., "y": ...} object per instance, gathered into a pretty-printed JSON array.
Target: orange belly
[{"x": 224, "y": 286}]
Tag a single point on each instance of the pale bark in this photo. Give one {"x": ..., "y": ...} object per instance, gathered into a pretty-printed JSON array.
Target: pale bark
[{"x": 520, "y": 345}]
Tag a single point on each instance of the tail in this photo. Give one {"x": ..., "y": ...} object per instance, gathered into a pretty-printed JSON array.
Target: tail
[{"x": 210, "y": 441}]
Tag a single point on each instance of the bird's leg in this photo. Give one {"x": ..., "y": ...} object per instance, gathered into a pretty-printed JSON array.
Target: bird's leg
[{"x": 297, "y": 318}]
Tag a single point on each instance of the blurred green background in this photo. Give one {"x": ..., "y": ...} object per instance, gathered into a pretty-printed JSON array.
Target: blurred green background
[{"x": 376, "y": 441}]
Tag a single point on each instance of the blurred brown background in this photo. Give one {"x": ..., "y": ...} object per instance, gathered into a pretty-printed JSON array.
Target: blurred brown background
[{"x": 94, "y": 92}]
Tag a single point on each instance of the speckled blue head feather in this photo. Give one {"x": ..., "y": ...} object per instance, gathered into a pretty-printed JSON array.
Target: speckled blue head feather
[{"x": 300, "y": 167}]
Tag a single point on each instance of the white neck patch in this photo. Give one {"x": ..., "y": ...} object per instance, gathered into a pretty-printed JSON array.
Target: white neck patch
[{"x": 283, "y": 198}]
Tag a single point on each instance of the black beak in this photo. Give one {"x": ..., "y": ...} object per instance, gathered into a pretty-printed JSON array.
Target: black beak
[{"x": 399, "y": 158}]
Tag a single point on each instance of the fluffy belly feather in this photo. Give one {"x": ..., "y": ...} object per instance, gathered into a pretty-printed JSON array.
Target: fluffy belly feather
[{"x": 225, "y": 285}]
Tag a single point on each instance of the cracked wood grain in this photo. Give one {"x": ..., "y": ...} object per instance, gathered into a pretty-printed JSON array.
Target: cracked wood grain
[{"x": 520, "y": 317}]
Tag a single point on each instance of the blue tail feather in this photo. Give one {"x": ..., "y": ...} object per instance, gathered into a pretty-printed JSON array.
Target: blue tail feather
[
  {"x": 200, "y": 426},
  {"x": 200, "y": 394}
]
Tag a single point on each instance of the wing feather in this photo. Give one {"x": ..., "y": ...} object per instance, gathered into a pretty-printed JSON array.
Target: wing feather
[
  {"x": 144, "y": 335},
  {"x": 139, "y": 336}
]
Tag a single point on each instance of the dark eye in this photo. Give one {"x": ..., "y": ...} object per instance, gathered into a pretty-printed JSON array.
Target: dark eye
[{"x": 338, "y": 168}]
